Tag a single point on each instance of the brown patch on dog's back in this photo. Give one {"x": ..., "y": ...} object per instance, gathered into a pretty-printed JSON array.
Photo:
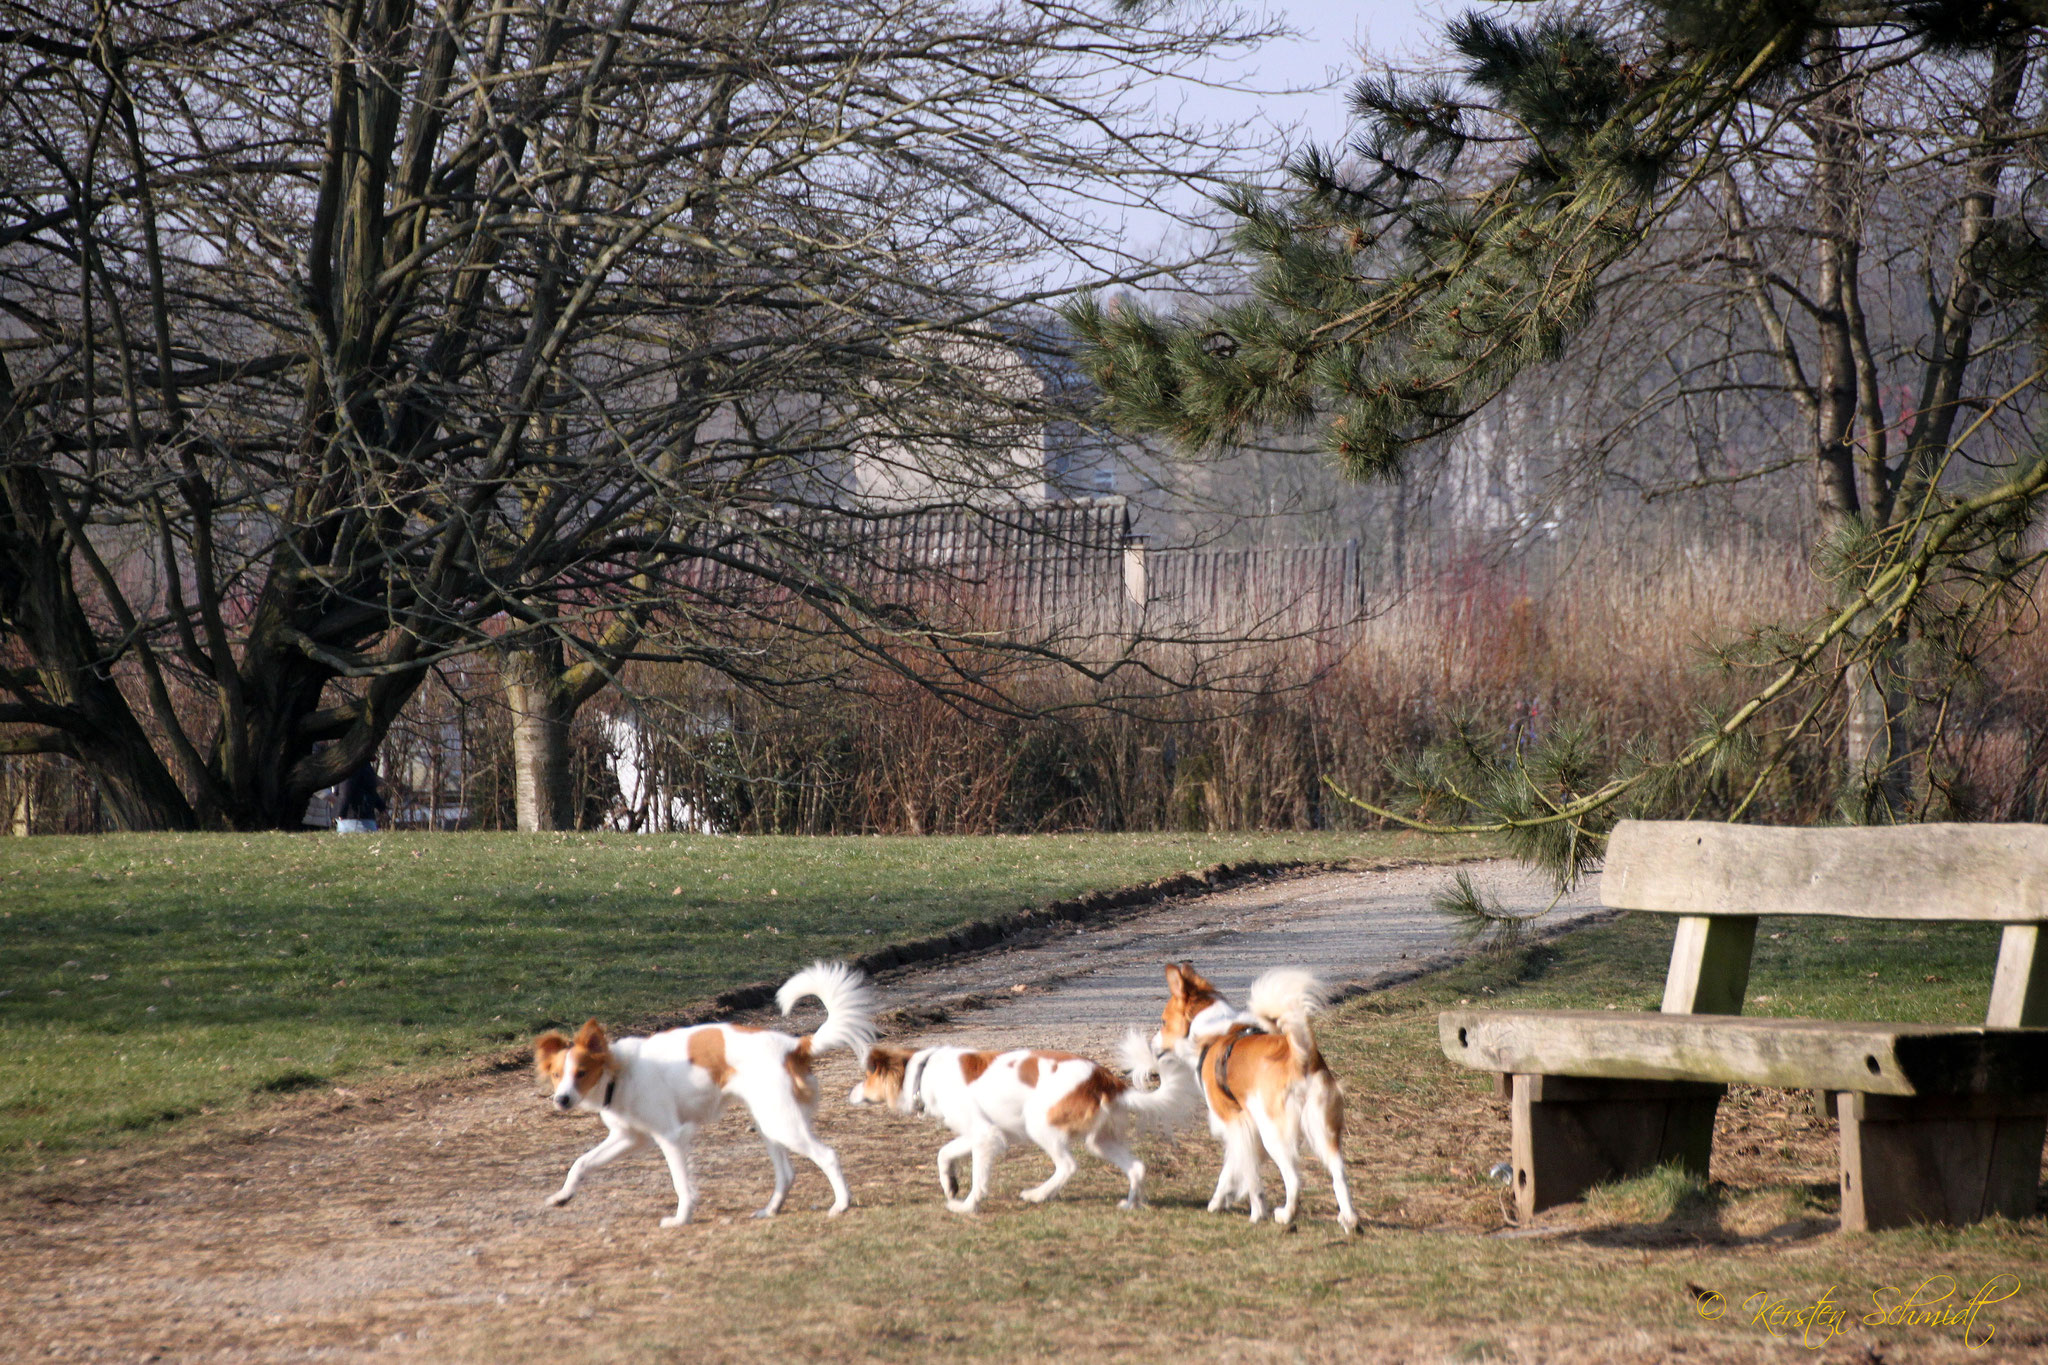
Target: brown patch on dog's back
[
  {"x": 707, "y": 1049},
  {"x": 972, "y": 1064},
  {"x": 798, "y": 1064},
  {"x": 1027, "y": 1070},
  {"x": 1256, "y": 1065},
  {"x": 1078, "y": 1107}
]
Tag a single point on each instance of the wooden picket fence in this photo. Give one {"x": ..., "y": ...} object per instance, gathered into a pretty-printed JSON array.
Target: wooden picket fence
[{"x": 1060, "y": 571}]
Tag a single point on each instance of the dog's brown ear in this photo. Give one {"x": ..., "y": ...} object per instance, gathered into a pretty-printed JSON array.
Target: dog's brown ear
[
  {"x": 547, "y": 1056},
  {"x": 884, "y": 1060},
  {"x": 1173, "y": 982},
  {"x": 1187, "y": 981},
  {"x": 591, "y": 1037}
]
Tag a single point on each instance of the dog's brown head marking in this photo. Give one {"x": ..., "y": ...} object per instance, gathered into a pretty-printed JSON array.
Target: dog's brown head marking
[
  {"x": 547, "y": 1057},
  {"x": 881, "y": 1080},
  {"x": 1188, "y": 994},
  {"x": 574, "y": 1067}
]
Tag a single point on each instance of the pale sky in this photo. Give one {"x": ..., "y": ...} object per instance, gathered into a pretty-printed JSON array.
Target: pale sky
[
  {"x": 1335, "y": 40},
  {"x": 1295, "y": 90}
]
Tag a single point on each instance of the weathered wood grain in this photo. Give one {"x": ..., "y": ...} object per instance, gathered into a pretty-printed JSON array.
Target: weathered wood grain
[
  {"x": 1571, "y": 1133},
  {"x": 1884, "y": 1059},
  {"x": 1709, "y": 964},
  {"x": 1942, "y": 1160},
  {"x": 2019, "y": 991},
  {"x": 1986, "y": 873}
]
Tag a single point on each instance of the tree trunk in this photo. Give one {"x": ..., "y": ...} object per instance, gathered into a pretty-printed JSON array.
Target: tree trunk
[
  {"x": 540, "y": 739},
  {"x": 1872, "y": 749}
]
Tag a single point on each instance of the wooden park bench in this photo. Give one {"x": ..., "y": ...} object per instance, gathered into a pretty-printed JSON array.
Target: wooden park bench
[{"x": 1939, "y": 1123}]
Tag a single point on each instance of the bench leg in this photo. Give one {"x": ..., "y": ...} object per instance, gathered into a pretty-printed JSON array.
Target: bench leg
[
  {"x": 1939, "y": 1159},
  {"x": 1571, "y": 1133}
]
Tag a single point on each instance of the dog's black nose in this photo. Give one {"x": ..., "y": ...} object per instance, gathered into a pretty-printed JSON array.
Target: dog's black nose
[{"x": 563, "y": 1102}]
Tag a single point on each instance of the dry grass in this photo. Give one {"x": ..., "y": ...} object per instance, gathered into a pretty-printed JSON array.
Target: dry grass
[{"x": 1619, "y": 632}]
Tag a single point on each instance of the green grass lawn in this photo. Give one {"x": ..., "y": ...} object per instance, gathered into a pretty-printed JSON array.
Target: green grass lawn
[
  {"x": 1802, "y": 968},
  {"x": 148, "y": 978}
]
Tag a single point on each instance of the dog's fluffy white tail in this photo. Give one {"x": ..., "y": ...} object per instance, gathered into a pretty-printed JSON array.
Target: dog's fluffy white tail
[
  {"x": 849, "y": 1005},
  {"x": 1282, "y": 1000},
  {"x": 1177, "y": 1100}
]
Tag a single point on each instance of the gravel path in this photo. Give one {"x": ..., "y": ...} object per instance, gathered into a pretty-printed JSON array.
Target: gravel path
[
  {"x": 364, "y": 1226},
  {"x": 1356, "y": 930}
]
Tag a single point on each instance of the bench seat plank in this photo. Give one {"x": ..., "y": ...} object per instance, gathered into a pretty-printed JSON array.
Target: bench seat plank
[
  {"x": 1820, "y": 1054},
  {"x": 1995, "y": 874}
]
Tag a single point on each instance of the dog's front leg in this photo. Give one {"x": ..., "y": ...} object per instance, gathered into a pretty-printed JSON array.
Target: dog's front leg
[
  {"x": 987, "y": 1147},
  {"x": 617, "y": 1144},
  {"x": 675, "y": 1148},
  {"x": 1228, "y": 1178},
  {"x": 949, "y": 1157}
]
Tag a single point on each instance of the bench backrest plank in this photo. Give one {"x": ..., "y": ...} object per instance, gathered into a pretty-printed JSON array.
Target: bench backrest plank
[
  {"x": 1718, "y": 878},
  {"x": 1995, "y": 874},
  {"x": 1950, "y": 872}
]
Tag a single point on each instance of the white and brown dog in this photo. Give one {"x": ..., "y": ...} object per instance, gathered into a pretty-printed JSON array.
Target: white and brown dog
[
  {"x": 664, "y": 1088},
  {"x": 1265, "y": 1082},
  {"x": 1052, "y": 1098}
]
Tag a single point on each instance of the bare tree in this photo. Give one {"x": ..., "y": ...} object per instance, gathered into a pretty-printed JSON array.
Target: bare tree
[{"x": 342, "y": 340}]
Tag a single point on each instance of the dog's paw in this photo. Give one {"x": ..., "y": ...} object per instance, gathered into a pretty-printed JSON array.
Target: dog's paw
[
  {"x": 1283, "y": 1216},
  {"x": 836, "y": 1210},
  {"x": 762, "y": 1213},
  {"x": 1130, "y": 1203},
  {"x": 1348, "y": 1221},
  {"x": 1032, "y": 1196},
  {"x": 959, "y": 1206},
  {"x": 675, "y": 1220},
  {"x": 560, "y": 1197}
]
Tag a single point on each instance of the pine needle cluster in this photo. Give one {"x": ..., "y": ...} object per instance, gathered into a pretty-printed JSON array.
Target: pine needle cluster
[
  {"x": 1459, "y": 239},
  {"x": 1397, "y": 286}
]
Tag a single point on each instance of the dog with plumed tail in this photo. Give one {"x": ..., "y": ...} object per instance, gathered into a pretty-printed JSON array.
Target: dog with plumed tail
[
  {"x": 663, "y": 1089},
  {"x": 1265, "y": 1082},
  {"x": 1054, "y": 1099}
]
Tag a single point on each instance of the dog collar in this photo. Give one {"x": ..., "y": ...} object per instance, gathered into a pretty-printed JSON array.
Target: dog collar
[{"x": 611, "y": 1085}]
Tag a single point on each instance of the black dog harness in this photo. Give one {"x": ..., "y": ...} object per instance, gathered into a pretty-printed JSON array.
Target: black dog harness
[
  {"x": 1229, "y": 1042},
  {"x": 611, "y": 1085}
]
